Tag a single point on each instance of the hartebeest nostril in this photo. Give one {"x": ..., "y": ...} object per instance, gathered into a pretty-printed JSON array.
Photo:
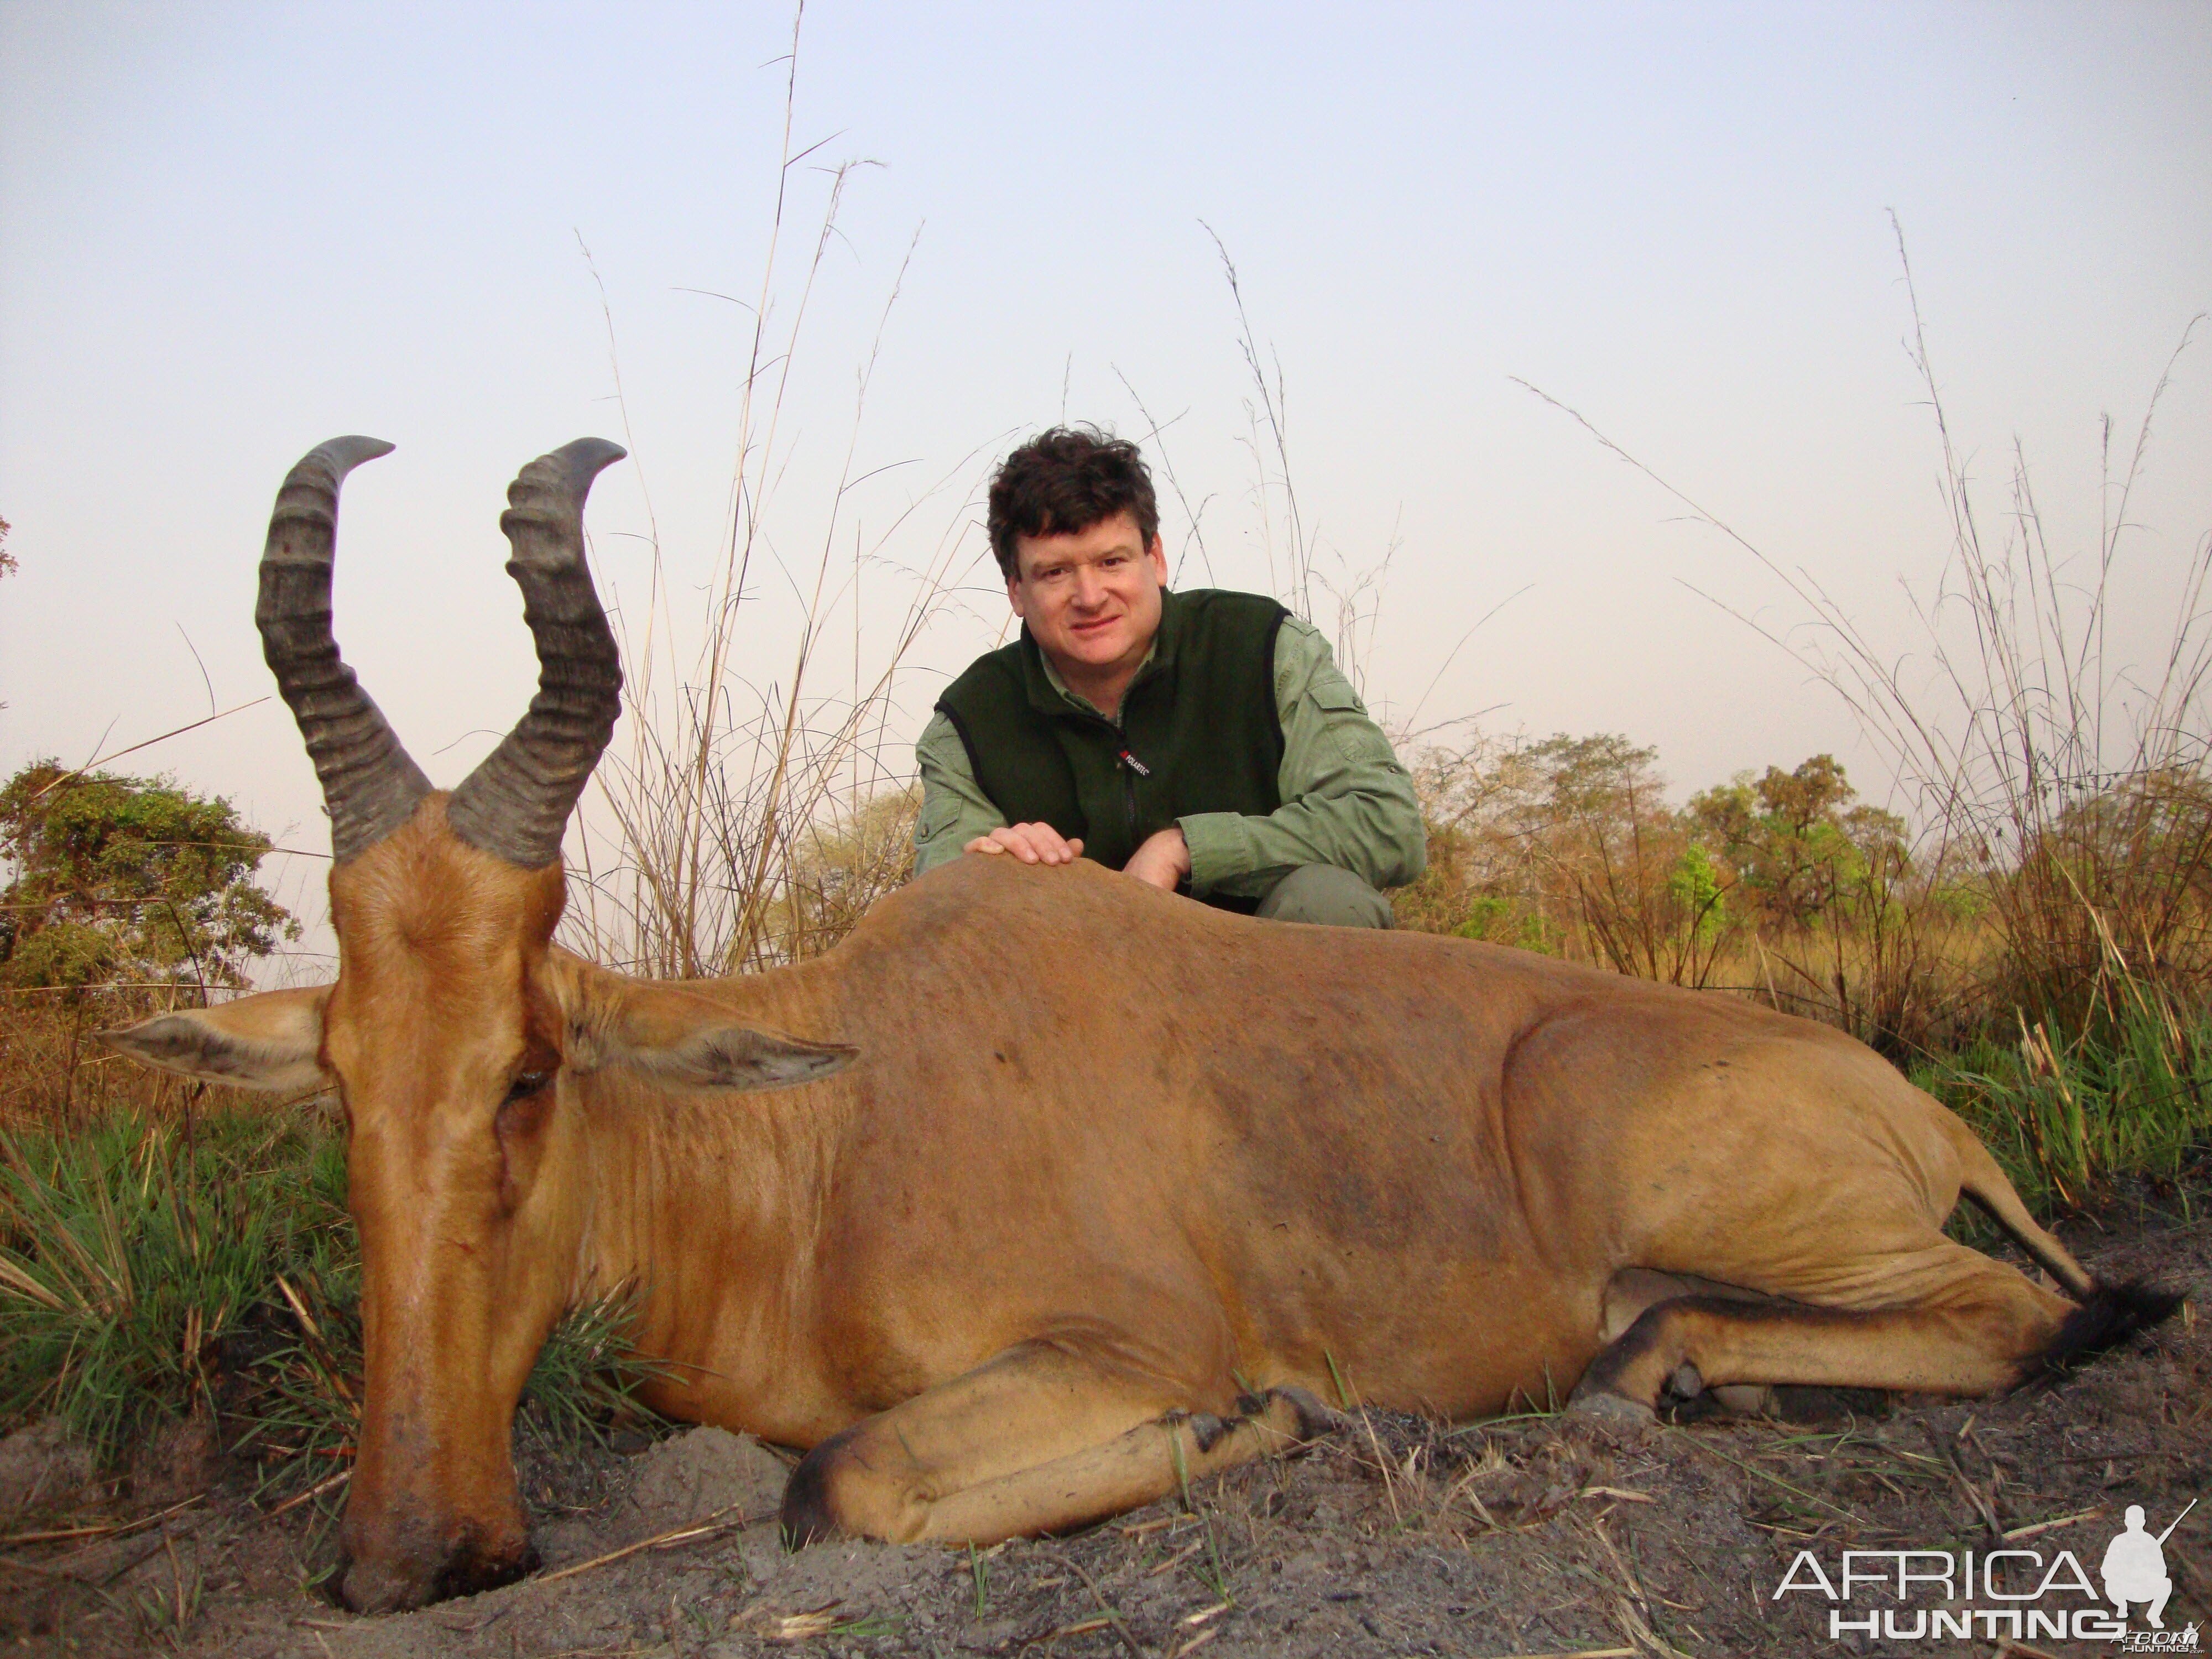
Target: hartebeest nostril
[{"x": 369, "y": 1586}]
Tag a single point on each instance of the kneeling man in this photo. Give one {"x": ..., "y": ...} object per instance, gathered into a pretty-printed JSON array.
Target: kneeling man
[{"x": 1203, "y": 741}]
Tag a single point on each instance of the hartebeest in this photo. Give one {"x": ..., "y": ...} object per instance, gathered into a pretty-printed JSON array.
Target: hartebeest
[{"x": 1045, "y": 1189}]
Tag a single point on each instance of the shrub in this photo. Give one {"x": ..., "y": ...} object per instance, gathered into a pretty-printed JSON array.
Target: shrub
[
  {"x": 1567, "y": 844},
  {"x": 128, "y": 879}
]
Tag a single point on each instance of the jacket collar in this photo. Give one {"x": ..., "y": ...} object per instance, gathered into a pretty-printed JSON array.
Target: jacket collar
[{"x": 1048, "y": 694}]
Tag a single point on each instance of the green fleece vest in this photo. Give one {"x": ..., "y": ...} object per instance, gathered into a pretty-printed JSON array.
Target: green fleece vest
[{"x": 1199, "y": 732}]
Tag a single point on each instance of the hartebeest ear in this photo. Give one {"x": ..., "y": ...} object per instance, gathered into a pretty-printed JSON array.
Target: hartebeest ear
[
  {"x": 269, "y": 1041},
  {"x": 687, "y": 1039},
  {"x": 741, "y": 1057}
]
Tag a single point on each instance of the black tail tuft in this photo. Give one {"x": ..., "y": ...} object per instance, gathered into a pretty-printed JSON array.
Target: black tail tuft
[{"x": 2109, "y": 1316}]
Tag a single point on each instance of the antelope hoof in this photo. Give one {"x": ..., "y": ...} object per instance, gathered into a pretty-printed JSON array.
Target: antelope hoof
[
  {"x": 1315, "y": 1420},
  {"x": 1744, "y": 1399},
  {"x": 1602, "y": 1406}
]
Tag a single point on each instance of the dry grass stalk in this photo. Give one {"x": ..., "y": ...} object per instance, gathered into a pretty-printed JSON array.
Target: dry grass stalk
[
  {"x": 1106, "y": 1607},
  {"x": 739, "y": 840},
  {"x": 711, "y": 1526},
  {"x": 1290, "y": 548},
  {"x": 2070, "y": 789},
  {"x": 53, "y": 1068}
]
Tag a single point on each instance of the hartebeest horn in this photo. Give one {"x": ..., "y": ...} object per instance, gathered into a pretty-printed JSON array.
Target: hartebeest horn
[
  {"x": 369, "y": 784},
  {"x": 517, "y": 804}
]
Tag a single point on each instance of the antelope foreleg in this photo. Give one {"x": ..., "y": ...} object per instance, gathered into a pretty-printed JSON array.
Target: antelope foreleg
[{"x": 1038, "y": 1441}]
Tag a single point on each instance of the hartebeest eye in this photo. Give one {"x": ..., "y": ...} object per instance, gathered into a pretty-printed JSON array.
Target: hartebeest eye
[{"x": 525, "y": 1085}]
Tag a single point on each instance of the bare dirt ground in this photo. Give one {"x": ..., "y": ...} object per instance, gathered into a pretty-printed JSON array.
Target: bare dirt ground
[{"x": 1536, "y": 1536}]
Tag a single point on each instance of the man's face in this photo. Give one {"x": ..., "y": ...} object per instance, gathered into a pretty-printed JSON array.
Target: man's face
[{"x": 1092, "y": 599}]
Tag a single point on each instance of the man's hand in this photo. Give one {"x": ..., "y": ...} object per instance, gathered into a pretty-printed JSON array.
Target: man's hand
[
  {"x": 1032, "y": 843},
  {"x": 1164, "y": 859}
]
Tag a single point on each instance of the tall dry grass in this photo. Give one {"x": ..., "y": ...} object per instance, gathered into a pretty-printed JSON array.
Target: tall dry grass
[
  {"x": 2030, "y": 933},
  {"x": 742, "y": 820},
  {"x": 55, "y": 1070},
  {"x": 2058, "y": 789}
]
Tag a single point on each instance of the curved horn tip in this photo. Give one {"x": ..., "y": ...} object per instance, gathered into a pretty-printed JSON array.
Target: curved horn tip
[
  {"x": 339, "y": 456},
  {"x": 586, "y": 459},
  {"x": 594, "y": 451}
]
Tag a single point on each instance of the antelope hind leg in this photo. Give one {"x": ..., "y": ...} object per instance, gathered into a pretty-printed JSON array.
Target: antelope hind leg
[
  {"x": 1633, "y": 1289},
  {"x": 1983, "y": 1330},
  {"x": 1037, "y": 1440}
]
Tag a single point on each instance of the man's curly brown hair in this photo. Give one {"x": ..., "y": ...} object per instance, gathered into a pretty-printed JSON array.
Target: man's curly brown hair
[{"x": 1065, "y": 480}]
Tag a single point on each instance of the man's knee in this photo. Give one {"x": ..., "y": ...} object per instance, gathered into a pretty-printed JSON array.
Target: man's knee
[{"x": 1327, "y": 896}]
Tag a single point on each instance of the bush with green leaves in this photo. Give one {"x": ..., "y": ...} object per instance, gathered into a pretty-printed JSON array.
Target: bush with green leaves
[
  {"x": 1800, "y": 844},
  {"x": 1568, "y": 845},
  {"x": 114, "y": 878}
]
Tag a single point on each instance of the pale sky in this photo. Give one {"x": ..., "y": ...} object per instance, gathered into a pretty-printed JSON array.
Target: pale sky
[{"x": 230, "y": 231}]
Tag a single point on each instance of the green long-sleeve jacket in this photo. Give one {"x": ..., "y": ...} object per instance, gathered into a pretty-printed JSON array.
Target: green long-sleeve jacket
[{"x": 1346, "y": 801}]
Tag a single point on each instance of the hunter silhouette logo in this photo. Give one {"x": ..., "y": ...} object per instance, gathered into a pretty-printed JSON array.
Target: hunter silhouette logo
[{"x": 2135, "y": 1567}]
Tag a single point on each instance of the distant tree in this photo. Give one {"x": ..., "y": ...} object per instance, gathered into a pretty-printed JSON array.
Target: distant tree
[
  {"x": 1649, "y": 897},
  {"x": 118, "y": 878},
  {"x": 1568, "y": 844},
  {"x": 1798, "y": 843}
]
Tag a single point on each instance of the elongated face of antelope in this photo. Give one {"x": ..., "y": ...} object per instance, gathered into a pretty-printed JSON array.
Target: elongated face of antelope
[{"x": 444, "y": 1032}]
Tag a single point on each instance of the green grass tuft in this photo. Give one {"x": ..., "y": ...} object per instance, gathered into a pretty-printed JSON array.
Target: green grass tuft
[
  {"x": 153, "y": 1267},
  {"x": 2068, "y": 1120}
]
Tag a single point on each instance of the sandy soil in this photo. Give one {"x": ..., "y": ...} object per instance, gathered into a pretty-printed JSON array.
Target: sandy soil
[{"x": 1532, "y": 1537}]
